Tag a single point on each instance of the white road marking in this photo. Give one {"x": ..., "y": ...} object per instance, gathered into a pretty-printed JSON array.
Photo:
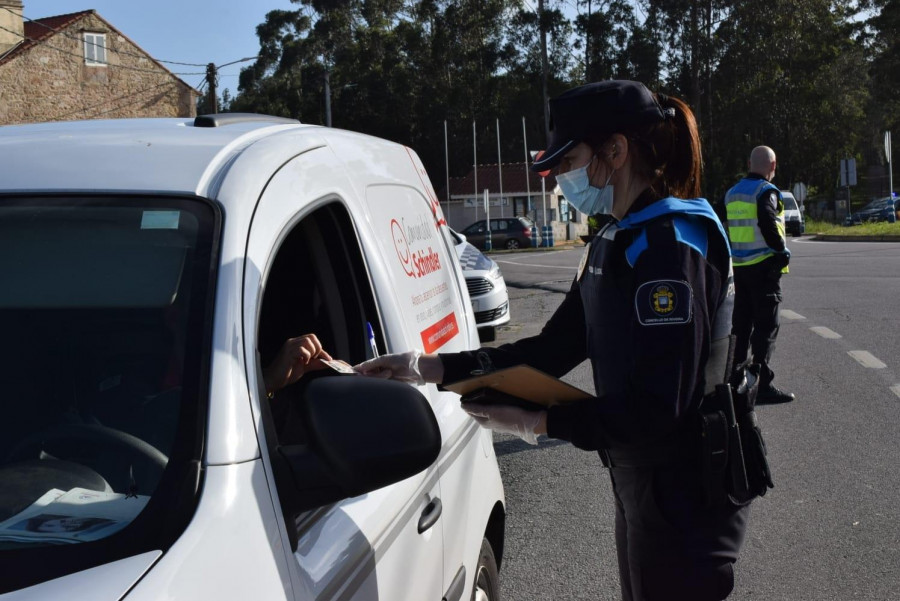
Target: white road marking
[
  {"x": 535, "y": 265},
  {"x": 867, "y": 359},
  {"x": 788, "y": 314},
  {"x": 896, "y": 389},
  {"x": 825, "y": 332}
]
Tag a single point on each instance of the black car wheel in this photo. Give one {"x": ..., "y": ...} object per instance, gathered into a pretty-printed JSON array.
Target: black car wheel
[
  {"x": 487, "y": 576},
  {"x": 512, "y": 244}
]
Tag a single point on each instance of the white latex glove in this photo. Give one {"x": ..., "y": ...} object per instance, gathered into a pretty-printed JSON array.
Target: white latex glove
[
  {"x": 506, "y": 419},
  {"x": 400, "y": 366}
]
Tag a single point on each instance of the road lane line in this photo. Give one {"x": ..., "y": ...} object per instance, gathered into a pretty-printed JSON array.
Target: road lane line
[
  {"x": 896, "y": 389},
  {"x": 866, "y": 359},
  {"x": 535, "y": 265},
  {"x": 825, "y": 332},
  {"x": 788, "y": 314}
]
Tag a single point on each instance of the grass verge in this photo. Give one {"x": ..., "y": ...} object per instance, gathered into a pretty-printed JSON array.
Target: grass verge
[{"x": 825, "y": 228}]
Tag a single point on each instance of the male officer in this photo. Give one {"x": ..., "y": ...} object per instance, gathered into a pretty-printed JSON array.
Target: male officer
[{"x": 755, "y": 221}]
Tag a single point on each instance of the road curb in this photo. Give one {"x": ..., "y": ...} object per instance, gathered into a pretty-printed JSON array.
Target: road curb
[{"x": 833, "y": 238}]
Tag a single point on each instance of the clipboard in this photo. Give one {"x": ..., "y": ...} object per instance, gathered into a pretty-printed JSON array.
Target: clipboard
[{"x": 523, "y": 382}]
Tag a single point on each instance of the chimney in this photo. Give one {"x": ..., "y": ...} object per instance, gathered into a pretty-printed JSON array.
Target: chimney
[{"x": 12, "y": 27}]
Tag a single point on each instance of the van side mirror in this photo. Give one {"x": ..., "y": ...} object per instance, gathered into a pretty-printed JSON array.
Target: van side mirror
[{"x": 362, "y": 434}]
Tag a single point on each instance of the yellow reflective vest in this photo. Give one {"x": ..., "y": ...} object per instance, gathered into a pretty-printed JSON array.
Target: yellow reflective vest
[{"x": 742, "y": 220}]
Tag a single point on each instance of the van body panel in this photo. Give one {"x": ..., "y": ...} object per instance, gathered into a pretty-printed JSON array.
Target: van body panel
[
  {"x": 149, "y": 155},
  {"x": 108, "y": 582},
  {"x": 378, "y": 528},
  {"x": 232, "y": 549}
]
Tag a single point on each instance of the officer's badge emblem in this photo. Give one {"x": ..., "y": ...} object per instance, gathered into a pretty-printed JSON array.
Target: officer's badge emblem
[{"x": 663, "y": 302}]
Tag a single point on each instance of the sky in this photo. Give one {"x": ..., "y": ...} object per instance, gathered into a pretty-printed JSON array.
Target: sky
[{"x": 185, "y": 31}]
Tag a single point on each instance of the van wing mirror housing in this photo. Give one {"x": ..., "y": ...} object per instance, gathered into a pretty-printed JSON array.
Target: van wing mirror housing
[{"x": 363, "y": 434}]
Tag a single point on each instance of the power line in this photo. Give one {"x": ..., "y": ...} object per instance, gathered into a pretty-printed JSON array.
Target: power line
[
  {"x": 117, "y": 98},
  {"x": 78, "y": 39},
  {"x": 123, "y": 52},
  {"x": 80, "y": 57}
]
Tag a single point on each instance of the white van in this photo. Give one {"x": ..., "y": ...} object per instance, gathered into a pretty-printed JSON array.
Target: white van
[
  {"x": 794, "y": 224},
  {"x": 150, "y": 269}
]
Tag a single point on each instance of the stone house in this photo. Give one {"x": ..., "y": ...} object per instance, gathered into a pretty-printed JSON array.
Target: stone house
[{"x": 78, "y": 66}]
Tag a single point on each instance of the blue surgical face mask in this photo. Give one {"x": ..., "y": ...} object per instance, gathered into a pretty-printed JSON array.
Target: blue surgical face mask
[{"x": 590, "y": 200}]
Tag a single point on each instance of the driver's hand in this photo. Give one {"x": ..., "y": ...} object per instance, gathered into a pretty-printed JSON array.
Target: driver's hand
[{"x": 296, "y": 357}]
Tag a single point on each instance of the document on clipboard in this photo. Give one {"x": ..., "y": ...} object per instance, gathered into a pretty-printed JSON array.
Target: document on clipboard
[{"x": 532, "y": 387}]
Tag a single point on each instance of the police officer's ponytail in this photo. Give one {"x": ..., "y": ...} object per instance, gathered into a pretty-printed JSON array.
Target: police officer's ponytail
[{"x": 668, "y": 152}]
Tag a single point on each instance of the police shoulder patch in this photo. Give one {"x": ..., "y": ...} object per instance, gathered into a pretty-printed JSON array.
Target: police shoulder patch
[{"x": 663, "y": 302}]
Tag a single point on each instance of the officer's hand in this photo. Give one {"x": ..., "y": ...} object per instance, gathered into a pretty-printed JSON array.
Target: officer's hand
[
  {"x": 780, "y": 260},
  {"x": 411, "y": 366},
  {"x": 507, "y": 419}
]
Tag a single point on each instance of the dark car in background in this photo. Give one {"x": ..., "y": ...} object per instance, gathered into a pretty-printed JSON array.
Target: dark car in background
[
  {"x": 879, "y": 209},
  {"x": 506, "y": 232}
]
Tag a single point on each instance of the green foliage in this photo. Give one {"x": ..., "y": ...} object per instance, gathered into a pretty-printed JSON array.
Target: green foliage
[{"x": 816, "y": 80}]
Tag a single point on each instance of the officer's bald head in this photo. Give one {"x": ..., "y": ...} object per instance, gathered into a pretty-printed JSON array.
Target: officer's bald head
[{"x": 762, "y": 161}]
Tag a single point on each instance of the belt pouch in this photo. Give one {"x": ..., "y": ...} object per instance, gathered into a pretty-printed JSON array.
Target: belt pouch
[
  {"x": 738, "y": 488},
  {"x": 714, "y": 437},
  {"x": 759, "y": 476}
]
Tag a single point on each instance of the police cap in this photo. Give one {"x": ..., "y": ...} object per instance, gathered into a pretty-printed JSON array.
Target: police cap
[{"x": 596, "y": 108}]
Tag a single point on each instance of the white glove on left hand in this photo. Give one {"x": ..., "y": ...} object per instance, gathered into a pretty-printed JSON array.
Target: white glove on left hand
[
  {"x": 506, "y": 419},
  {"x": 400, "y": 366}
]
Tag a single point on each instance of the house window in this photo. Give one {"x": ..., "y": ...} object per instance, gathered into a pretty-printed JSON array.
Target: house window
[{"x": 95, "y": 48}]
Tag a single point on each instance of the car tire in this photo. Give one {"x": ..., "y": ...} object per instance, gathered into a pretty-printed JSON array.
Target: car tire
[
  {"x": 487, "y": 576},
  {"x": 512, "y": 244}
]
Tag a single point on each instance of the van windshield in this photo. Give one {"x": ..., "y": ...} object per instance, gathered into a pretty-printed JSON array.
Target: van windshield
[
  {"x": 102, "y": 355},
  {"x": 789, "y": 203}
]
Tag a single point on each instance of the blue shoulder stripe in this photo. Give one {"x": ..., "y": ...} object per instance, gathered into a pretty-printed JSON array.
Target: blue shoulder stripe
[
  {"x": 689, "y": 231},
  {"x": 636, "y": 248}
]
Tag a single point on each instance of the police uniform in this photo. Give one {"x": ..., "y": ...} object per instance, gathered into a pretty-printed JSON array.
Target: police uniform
[
  {"x": 755, "y": 221},
  {"x": 648, "y": 308}
]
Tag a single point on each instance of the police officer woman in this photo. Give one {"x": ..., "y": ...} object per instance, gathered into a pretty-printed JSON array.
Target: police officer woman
[{"x": 651, "y": 309}]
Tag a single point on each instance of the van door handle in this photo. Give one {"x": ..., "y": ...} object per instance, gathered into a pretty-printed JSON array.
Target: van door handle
[{"x": 430, "y": 515}]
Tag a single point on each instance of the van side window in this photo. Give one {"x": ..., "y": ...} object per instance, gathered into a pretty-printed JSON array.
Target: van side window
[{"x": 317, "y": 284}]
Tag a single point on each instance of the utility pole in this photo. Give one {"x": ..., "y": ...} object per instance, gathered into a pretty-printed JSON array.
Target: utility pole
[
  {"x": 544, "y": 69},
  {"x": 211, "y": 80},
  {"x": 328, "y": 98}
]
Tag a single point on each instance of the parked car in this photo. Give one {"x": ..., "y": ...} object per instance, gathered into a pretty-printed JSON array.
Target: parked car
[
  {"x": 877, "y": 210},
  {"x": 793, "y": 215},
  {"x": 150, "y": 269},
  {"x": 506, "y": 232},
  {"x": 487, "y": 289}
]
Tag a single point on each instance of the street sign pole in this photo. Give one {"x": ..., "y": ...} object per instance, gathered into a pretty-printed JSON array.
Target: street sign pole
[
  {"x": 487, "y": 221},
  {"x": 887, "y": 151}
]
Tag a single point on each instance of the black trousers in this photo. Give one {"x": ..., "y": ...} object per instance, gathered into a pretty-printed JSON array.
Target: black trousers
[
  {"x": 755, "y": 324},
  {"x": 670, "y": 547}
]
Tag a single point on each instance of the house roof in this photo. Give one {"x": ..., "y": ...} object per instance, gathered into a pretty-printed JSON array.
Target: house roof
[
  {"x": 37, "y": 31},
  {"x": 514, "y": 181}
]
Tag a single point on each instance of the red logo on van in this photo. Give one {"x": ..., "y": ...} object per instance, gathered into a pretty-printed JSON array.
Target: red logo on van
[
  {"x": 402, "y": 248},
  {"x": 416, "y": 264},
  {"x": 437, "y": 334}
]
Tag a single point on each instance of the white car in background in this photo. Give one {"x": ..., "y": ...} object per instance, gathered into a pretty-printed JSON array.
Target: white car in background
[
  {"x": 487, "y": 289},
  {"x": 793, "y": 214}
]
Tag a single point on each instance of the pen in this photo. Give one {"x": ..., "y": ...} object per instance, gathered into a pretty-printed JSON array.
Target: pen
[{"x": 372, "y": 344}]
